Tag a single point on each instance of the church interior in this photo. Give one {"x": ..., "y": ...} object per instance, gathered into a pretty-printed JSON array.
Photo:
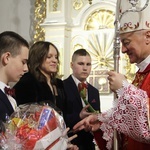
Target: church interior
[{"x": 70, "y": 25}]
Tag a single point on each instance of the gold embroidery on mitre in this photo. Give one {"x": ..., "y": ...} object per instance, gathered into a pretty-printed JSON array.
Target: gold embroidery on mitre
[{"x": 129, "y": 26}]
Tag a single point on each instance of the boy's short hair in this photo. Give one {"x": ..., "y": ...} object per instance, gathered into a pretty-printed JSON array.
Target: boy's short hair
[
  {"x": 11, "y": 42},
  {"x": 79, "y": 52}
]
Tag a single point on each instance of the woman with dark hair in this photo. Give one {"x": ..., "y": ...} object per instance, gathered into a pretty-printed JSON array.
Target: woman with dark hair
[{"x": 41, "y": 84}]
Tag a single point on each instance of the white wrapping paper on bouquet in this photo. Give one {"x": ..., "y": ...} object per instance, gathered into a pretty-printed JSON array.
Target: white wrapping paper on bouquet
[
  {"x": 44, "y": 142},
  {"x": 35, "y": 127}
]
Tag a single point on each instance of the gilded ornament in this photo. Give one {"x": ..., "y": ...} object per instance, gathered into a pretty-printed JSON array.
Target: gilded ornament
[
  {"x": 40, "y": 14},
  {"x": 77, "y": 4},
  {"x": 55, "y": 5},
  {"x": 100, "y": 19},
  {"x": 130, "y": 69},
  {"x": 90, "y": 2}
]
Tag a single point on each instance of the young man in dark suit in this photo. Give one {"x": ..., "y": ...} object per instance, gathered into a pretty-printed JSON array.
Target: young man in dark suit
[
  {"x": 13, "y": 64},
  {"x": 76, "y": 108}
]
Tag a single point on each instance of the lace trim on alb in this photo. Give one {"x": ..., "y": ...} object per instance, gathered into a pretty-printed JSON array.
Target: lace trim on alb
[{"x": 129, "y": 115}]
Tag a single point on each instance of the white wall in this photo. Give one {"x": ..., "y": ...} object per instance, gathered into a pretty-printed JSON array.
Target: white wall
[{"x": 16, "y": 15}]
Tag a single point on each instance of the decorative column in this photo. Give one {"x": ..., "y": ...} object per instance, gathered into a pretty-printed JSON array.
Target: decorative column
[{"x": 40, "y": 14}]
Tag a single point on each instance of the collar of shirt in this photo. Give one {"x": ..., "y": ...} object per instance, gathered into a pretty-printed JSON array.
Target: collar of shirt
[
  {"x": 142, "y": 66},
  {"x": 76, "y": 80},
  {"x": 3, "y": 85},
  {"x": 10, "y": 98}
]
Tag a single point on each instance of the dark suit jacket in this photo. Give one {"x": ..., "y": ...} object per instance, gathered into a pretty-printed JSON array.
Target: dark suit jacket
[
  {"x": 5, "y": 106},
  {"x": 29, "y": 89},
  {"x": 74, "y": 107}
]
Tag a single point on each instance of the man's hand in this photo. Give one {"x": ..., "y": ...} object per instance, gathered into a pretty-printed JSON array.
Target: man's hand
[
  {"x": 84, "y": 112},
  {"x": 115, "y": 80},
  {"x": 90, "y": 123},
  {"x": 69, "y": 145},
  {"x": 72, "y": 146}
]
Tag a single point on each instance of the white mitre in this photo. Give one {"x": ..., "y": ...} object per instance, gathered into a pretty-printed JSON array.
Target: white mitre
[{"x": 133, "y": 21}]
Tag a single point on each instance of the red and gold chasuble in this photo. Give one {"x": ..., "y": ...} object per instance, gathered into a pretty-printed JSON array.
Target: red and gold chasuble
[
  {"x": 129, "y": 116},
  {"x": 142, "y": 81}
]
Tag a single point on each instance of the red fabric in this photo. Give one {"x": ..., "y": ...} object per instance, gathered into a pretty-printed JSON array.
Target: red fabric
[
  {"x": 9, "y": 91},
  {"x": 101, "y": 143},
  {"x": 142, "y": 80},
  {"x": 132, "y": 144}
]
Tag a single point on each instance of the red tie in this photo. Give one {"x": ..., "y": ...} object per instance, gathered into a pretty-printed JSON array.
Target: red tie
[
  {"x": 9, "y": 91},
  {"x": 81, "y": 86}
]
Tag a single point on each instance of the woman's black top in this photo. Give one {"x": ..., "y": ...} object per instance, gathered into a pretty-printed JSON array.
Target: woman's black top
[{"x": 29, "y": 90}]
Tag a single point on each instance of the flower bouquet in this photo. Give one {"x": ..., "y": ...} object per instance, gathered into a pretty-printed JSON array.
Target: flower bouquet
[
  {"x": 35, "y": 127},
  {"x": 82, "y": 87}
]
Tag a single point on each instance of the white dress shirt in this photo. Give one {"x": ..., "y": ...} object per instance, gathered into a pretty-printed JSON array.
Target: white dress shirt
[
  {"x": 11, "y": 99},
  {"x": 142, "y": 66},
  {"x": 77, "y": 82}
]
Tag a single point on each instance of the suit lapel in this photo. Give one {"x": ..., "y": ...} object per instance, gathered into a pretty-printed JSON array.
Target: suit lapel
[
  {"x": 74, "y": 89},
  {"x": 6, "y": 101},
  {"x": 89, "y": 93}
]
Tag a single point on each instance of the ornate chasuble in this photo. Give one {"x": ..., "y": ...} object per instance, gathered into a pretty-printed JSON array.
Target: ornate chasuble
[
  {"x": 128, "y": 117},
  {"x": 142, "y": 80}
]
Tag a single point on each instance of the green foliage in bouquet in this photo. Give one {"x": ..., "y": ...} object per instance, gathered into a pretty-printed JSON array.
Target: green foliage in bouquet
[{"x": 82, "y": 87}]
